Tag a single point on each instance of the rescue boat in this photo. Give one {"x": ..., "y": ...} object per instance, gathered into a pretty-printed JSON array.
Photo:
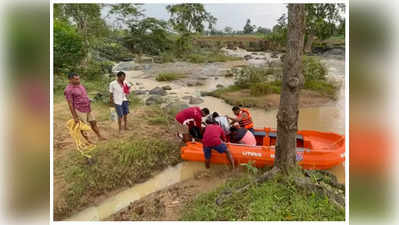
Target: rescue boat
[{"x": 315, "y": 150}]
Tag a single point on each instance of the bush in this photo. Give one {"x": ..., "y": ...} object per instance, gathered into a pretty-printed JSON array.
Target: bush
[
  {"x": 259, "y": 89},
  {"x": 250, "y": 75},
  {"x": 323, "y": 87},
  {"x": 169, "y": 76},
  {"x": 167, "y": 56},
  {"x": 313, "y": 69},
  {"x": 68, "y": 47}
]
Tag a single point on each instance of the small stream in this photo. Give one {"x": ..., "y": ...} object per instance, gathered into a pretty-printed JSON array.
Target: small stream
[{"x": 330, "y": 118}]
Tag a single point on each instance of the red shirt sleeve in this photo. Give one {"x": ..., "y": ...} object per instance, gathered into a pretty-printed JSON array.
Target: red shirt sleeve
[
  {"x": 198, "y": 119},
  {"x": 68, "y": 94}
]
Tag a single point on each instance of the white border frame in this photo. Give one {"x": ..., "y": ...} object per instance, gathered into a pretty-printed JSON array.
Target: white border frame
[{"x": 205, "y": 2}]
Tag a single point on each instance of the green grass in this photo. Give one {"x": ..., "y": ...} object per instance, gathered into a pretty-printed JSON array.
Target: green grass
[
  {"x": 169, "y": 76},
  {"x": 271, "y": 201},
  {"x": 259, "y": 89},
  {"x": 118, "y": 164},
  {"x": 322, "y": 87},
  {"x": 209, "y": 57}
]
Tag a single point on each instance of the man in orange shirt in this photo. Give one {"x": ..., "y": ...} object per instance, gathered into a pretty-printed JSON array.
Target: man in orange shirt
[{"x": 243, "y": 118}]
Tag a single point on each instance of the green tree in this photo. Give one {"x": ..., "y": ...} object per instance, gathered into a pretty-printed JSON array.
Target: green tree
[
  {"x": 148, "y": 35},
  {"x": 263, "y": 30},
  {"x": 187, "y": 19},
  {"x": 87, "y": 19},
  {"x": 248, "y": 28},
  {"x": 68, "y": 47},
  {"x": 228, "y": 30},
  {"x": 124, "y": 14},
  {"x": 320, "y": 21}
]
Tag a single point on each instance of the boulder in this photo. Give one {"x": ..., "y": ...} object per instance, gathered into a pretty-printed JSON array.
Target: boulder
[
  {"x": 175, "y": 107},
  {"x": 153, "y": 100},
  {"x": 247, "y": 57},
  {"x": 158, "y": 91},
  {"x": 274, "y": 55},
  {"x": 195, "y": 100},
  {"x": 202, "y": 78},
  {"x": 204, "y": 93},
  {"x": 140, "y": 92},
  {"x": 124, "y": 66},
  {"x": 199, "y": 83},
  {"x": 187, "y": 97},
  {"x": 166, "y": 88},
  {"x": 216, "y": 78},
  {"x": 219, "y": 86},
  {"x": 190, "y": 83}
]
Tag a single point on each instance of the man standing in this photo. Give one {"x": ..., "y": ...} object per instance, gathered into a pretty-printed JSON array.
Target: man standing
[
  {"x": 189, "y": 119},
  {"x": 118, "y": 98},
  {"x": 212, "y": 140},
  {"x": 79, "y": 104},
  {"x": 243, "y": 118}
]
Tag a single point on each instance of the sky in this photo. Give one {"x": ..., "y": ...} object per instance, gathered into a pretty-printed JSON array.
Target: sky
[{"x": 232, "y": 15}]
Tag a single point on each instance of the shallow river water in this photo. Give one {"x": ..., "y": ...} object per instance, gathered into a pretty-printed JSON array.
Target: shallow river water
[{"x": 329, "y": 118}]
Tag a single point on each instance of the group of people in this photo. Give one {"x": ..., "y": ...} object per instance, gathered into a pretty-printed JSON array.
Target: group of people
[
  {"x": 217, "y": 130},
  {"x": 80, "y": 107}
]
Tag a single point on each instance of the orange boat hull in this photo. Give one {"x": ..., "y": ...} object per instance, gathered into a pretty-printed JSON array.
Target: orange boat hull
[{"x": 315, "y": 150}]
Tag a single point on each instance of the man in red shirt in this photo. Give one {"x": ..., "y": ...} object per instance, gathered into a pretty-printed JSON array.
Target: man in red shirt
[
  {"x": 189, "y": 118},
  {"x": 212, "y": 139}
]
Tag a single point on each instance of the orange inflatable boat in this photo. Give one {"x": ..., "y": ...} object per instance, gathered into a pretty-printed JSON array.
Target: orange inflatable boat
[{"x": 315, "y": 150}]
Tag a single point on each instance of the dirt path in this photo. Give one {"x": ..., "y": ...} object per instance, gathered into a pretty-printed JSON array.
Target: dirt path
[{"x": 167, "y": 204}]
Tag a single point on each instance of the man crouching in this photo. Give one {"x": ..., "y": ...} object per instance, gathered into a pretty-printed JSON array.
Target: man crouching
[{"x": 212, "y": 140}]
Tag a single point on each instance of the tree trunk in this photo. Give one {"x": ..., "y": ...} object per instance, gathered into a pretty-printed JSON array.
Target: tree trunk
[
  {"x": 287, "y": 117},
  {"x": 309, "y": 42}
]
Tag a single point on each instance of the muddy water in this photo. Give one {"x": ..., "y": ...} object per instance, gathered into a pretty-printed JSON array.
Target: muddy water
[
  {"x": 329, "y": 118},
  {"x": 169, "y": 176}
]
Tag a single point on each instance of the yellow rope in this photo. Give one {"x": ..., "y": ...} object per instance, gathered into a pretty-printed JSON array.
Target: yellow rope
[{"x": 80, "y": 142}]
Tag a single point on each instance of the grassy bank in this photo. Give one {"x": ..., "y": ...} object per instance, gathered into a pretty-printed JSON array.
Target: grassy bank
[
  {"x": 271, "y": 201},
  {"x": 120, "y": 161},
  {"x": 169, "y": 76},
  {"x": 260, "y": 87}
]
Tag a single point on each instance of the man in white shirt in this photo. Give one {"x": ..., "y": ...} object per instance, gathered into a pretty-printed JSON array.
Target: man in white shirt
[
  {"x": 119, "y": 91},
  {"x": 222, "y": 121}
]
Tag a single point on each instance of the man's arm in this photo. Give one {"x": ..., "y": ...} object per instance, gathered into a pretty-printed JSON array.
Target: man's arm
[
  {"x": 73, "y": 111},
  {"x": 111, "y": 99},
  {"x": 111, "y": 95}
]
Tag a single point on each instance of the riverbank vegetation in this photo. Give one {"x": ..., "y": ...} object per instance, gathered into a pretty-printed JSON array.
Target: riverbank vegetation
[
  {"x": 270, "y": 201},
  {"x": 260, "y": 86},
  {"x": 121, "y": 161}
]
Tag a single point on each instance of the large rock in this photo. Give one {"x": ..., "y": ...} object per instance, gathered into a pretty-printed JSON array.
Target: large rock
[
  {"x": 166, "y": 88},
  {"x": 187, "y": 97},
  {"x": 274, "y": 55},
  {"x": 158, "y": 91},
  {"x": 176, "y": 107},
  {"x": 219, "y": 86},
  {"x": 190, "y": 83},
  {"x": 153, "y": 100},
  {"x": 195, "y": 101},
  {"x": 202, "y": 78},
  {"x": 140, "y": 92},
  {"x": 204, "y": 93},
  {"x": 124, "y": 66},
  {"x": 335, "y": 52},
  {"x": 248, "y": 57}
]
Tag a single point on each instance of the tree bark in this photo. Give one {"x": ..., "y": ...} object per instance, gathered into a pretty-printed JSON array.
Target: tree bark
[
  {"x": 309, "y": 42},
  {"x": 287, "y": 117}
]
